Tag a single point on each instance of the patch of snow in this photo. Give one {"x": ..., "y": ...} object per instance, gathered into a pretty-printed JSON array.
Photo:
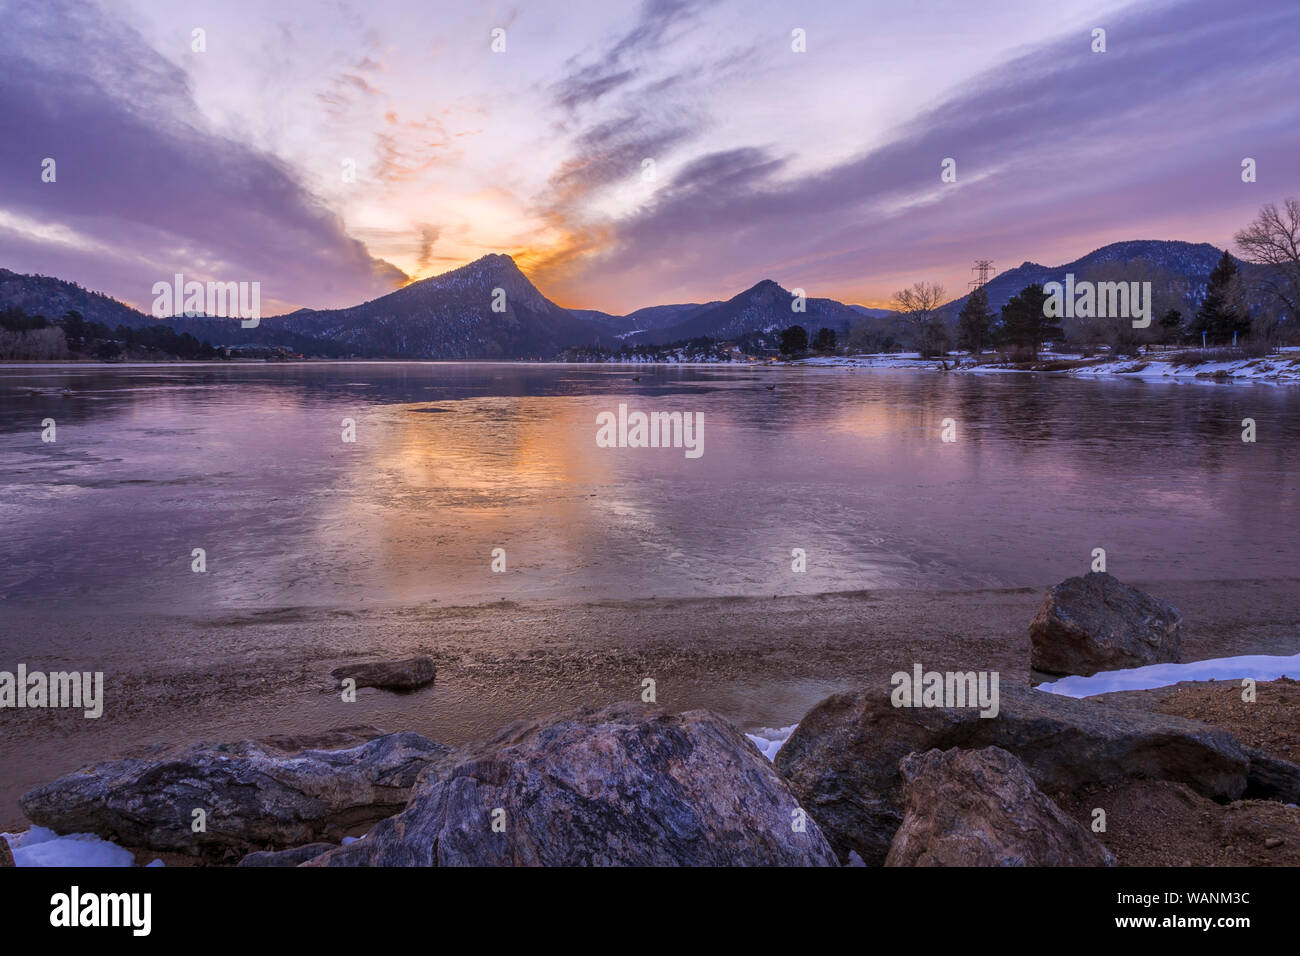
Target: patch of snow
[
  {"x": 1272, "y": 370},
  {"x": 770, "y": 740},
  {"x": 1257, "y": 666},
  {"x": 41, "y": 847}
]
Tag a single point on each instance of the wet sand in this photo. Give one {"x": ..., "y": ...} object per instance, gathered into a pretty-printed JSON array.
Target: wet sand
[{"x": 758, "y": 662}]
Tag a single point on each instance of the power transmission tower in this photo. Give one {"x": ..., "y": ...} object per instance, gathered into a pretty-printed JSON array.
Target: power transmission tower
[{"x": 983, "y": 267}]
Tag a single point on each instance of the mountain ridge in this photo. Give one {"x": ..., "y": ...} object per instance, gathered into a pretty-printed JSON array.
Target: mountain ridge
[{"x": 489, "y": 309}]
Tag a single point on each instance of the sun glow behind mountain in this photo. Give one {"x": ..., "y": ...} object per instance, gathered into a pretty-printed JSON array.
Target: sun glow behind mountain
[{"x": 820, "y": 168}]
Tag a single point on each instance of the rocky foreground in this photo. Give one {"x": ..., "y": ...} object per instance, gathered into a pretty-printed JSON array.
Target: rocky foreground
[
  {"x": 860, "y": 781},
  {"x": 1049, "y": 781}
]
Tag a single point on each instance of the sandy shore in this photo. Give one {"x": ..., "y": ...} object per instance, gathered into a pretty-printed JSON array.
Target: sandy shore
[{"x": 758, "y": 662}]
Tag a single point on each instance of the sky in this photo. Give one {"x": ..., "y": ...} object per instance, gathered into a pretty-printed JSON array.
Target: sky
[{"x": 629, "y": 153}]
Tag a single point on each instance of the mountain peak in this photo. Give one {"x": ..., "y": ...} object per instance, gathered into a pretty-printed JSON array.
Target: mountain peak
[
  {"x": 495, "y": 266},
  {"x": 495, "y": 259},
  {"x": 494, "y": 263},
  {"x": 763, "y": 287}
]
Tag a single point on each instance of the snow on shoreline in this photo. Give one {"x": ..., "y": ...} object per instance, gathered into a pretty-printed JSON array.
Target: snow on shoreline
[
  {"x": 41, "y": 847},
  {"x": 1260, "y": 667},
  {"x": 1272, "y": 371},
  {"x": 770, "y": 740},
  {"x": 1280, "y": 369}
]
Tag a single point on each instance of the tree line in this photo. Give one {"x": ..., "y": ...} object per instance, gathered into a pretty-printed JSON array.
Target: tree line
[
  {"x": 1256, "y": 307},
  {"x": 28, "y": 336}
]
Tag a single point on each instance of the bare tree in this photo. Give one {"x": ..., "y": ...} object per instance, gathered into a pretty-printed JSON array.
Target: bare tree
[
  {"x": 919, "y": 307},
  {"x": 1272, "y": 241}
]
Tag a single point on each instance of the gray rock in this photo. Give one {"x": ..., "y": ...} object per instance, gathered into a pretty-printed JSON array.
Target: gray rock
[
  {"x": 299, "y": 854},
  {"x": 408, "y": 674},
  {"x": 273, "y": 793},
  {"x": 843, "y": 758},
  {"x": 623, "y": 786},
  {"x": 1097, "y": 623},
  {"x": 1271, "y": 778},
  {"x": 981, "y": 808}
]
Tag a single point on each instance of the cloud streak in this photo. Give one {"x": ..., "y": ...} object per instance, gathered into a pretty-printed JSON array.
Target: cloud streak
[
  {"x": 1056, "y": 144},
  {"x": 820, "y": 170},
  {"x": 139, "y": 173}
]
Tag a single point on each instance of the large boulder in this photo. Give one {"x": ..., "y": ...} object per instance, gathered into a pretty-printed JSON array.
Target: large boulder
[
  {"x": 408, "y": 674},
  {"x": 623, "y": 786},
  {"x": 981, "y": 808},
  {"x": 1097, "y": 623},
  {"x": 273, "y": 793},
  {"x": 843, "y": 758},
  {"x": 6, "y": 854}
]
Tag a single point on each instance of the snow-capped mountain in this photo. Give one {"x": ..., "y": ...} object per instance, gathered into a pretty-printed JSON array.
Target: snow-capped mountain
[{"x": 451, "y": 316}]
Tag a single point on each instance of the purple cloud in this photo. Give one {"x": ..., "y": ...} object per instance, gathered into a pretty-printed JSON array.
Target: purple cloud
[
  {"x": 1060, "y": 148},
  {"x": 143, "y": 186}
]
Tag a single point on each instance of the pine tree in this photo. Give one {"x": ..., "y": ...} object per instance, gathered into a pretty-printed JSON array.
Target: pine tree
[
  {"x": 824, "y": 340},
  {"x": 1171, "y": 327},
  {"x": 794, "y": 340},
  {"x": 1217, "y": 318},
  {"x": 1023, "y": 323},
  {"x": 973, "y": 323}
]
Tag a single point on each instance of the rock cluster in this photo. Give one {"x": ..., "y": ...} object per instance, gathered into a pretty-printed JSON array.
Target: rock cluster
[
  {"x": 862, "y": 779},
  {"x": 625, "y": 785},
  {"x": 843, "y": 759}
]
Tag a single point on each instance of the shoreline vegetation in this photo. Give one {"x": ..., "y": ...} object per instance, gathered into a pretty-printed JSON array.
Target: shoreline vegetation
[
  {"x": 1132, "y": 299},
  {"x": 1222, "y": 366},
  {"x": 516, "y": 690}
]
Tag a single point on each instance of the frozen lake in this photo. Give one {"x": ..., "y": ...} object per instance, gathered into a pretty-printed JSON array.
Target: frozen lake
[{"x": 452, "y": 461}]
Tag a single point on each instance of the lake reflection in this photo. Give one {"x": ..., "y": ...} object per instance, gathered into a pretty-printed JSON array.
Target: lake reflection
[{"x": 454, "y": 460}]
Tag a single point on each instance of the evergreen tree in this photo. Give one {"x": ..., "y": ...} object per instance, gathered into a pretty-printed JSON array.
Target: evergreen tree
[
  {"x": 794, "y": 340},
  {"x": 75, "y": 330},
  {"x": 973, "y": 323},
  {"x": 1171, "y": 327},
  {"x": 1023, "y": 323},
  {"x": 1217, "y": 317}
]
